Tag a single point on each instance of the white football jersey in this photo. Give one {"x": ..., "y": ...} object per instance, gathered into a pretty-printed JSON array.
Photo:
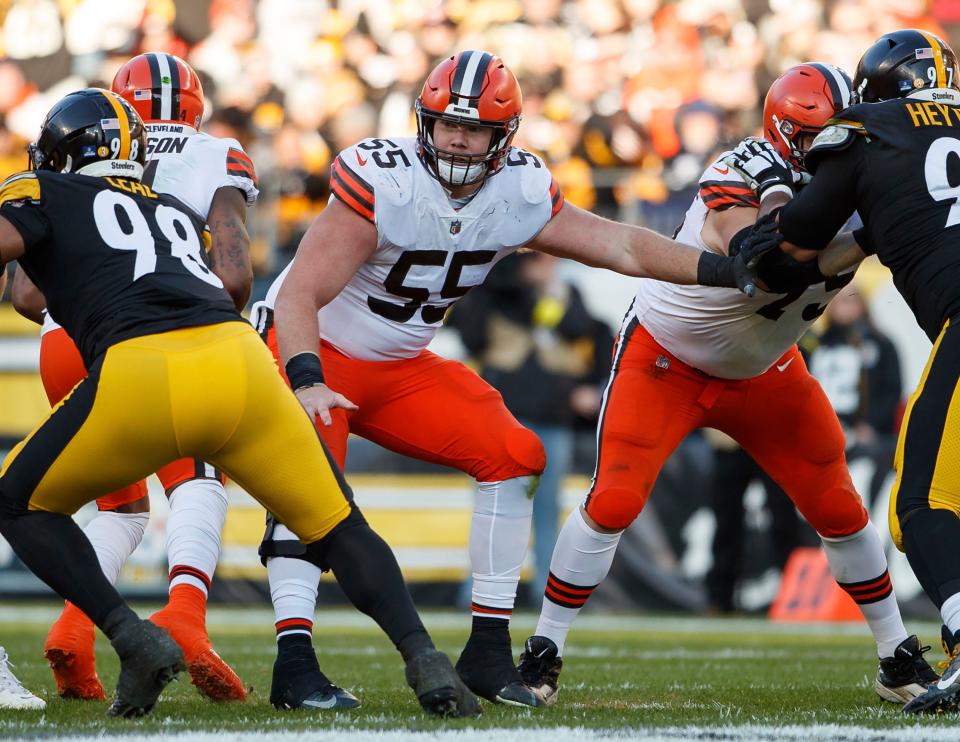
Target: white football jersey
[
  {"x": 192, "y": 165},
  {"x": 719, "y": 331},
  {"x": 429, "y": 253}
]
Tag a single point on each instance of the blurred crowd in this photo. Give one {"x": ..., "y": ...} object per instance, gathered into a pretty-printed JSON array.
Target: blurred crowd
[{"x": 624, "y": 98}]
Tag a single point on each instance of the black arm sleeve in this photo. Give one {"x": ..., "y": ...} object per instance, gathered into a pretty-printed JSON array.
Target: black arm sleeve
[
  {"x": 821, "y": 209},
  {"x": 28, "y": 219}
]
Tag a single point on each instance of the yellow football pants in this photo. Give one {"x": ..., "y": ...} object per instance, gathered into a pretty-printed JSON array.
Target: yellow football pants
[
  {"x": 209, "y": 392},
  {"x": 927, "y": 461}
]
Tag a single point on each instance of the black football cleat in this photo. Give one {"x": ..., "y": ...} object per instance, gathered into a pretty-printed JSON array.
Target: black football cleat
[
  {"x": 438, "y": 687},
  {"x": 149, "y": 659},
  {"x": 540, "y": 668},
  {"x": 486, "y": 666},
  {"x": 906, "y": 674},
  {"x": 944, "y": 694},
  {"x": 298, "y": 683}
]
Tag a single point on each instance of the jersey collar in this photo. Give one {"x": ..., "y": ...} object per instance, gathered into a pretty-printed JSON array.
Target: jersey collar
[
  {"x": 940, "y": 95},
  {"x": 170, "y": 128}
]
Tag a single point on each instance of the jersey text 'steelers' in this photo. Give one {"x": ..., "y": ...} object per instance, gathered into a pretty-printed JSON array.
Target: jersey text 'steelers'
[{"x": 429, "y": 252}]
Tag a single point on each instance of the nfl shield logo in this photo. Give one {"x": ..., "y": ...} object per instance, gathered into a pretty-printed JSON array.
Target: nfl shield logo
[{"x": 455, "y": 226}]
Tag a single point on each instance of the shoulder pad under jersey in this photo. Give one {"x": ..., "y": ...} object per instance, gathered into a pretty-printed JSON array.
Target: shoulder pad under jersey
[
  {"x": 371, "y": 169},
  {"x": 721, "y": 187}
]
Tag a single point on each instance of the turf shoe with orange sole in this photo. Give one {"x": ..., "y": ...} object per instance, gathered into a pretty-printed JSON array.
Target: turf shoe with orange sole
[
  {"x": 213, "y": 677},
  {"x": 69, "y": 649}
]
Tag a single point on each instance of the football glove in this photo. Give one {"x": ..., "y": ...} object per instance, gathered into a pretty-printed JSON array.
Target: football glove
[
  {"x": 763, "y": 237},
  {"x": 764, "y": 170}
]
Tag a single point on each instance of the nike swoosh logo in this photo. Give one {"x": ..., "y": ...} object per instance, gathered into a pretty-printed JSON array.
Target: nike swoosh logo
[
  {"x": 723, "y": 171},
  {"x": 362, "y": 163},
  {"x": 944, "y": 683},
  {"x": 781, "y": 367},
  {"x": 326, "y": 703}
]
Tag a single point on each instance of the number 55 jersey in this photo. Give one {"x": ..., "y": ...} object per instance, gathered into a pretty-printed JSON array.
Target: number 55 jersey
[
  {"x": 113, "y": 259},
  {"x": 429, "y": 251}
]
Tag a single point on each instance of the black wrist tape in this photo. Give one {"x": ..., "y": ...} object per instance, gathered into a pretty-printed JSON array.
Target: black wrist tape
[{"x": 304, "y": 370}]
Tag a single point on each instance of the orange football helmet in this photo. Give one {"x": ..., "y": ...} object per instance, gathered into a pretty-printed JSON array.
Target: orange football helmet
[
  {"x": 800, "y": 102},
  {"x": 474, "y": 88},
  {"x": 161, "y": 87}
]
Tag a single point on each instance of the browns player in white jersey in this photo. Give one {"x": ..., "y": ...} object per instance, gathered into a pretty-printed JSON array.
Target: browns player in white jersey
[
  {"x": 705, "y": 357},
  {"x": 215, "y": 178},
  {"x": 412, "y": 225}
]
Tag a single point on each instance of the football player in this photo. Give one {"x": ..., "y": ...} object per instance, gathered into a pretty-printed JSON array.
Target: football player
[
  {"x": 216, "y": 179},
  {"x": 690, "y": 357},
  {"x": 412, "y": 225},
  {"x": 123, "y": 268},
  {"x": 893, "y": 160}
]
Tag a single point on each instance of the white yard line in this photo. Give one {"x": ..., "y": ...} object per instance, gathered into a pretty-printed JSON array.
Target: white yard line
[{"x": 791, "y": 733}]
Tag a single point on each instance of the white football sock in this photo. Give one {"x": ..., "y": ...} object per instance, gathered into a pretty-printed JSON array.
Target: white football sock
[
  {"x": 115, "y": 536},
  {"x": 581, "y": 559},
  {"x": 293, "y": 590},
  {"x": 859, "y": 566},
  {"x": 950, "y": 612},
  {"x": 499, "y": 537},
  {"x": 198, "y": 510}
]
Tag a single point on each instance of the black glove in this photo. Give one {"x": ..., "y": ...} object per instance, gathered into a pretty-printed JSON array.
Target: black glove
[
  {"x": 763, "y": 237},
  {"x": 762, "y": 167},
  {"x": 726, "y": 272}
]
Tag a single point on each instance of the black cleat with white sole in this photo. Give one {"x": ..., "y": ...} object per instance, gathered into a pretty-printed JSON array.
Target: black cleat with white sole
[
  {"x": 149, "y": 660},
  {"x": 298, "y": 682},
  {"x": 906, "y": 674},
  {"x": 540, "y": 668},
  {"x": 486, "y": 666},
  {"x": 438, "y": 687},
  {"x": 943, "y": 695}
]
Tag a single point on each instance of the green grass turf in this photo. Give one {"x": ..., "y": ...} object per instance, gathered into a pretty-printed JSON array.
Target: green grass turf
[{"x": 632, "y": 673}]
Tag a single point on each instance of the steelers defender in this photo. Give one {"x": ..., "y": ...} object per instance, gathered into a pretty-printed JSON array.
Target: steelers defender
[
  {"x": 895, "y": 159},
  {"x": 174, "y": 371}
]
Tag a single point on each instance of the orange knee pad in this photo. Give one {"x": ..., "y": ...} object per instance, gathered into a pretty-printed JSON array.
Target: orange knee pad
[
  {"x": 521, "y": 455},
  {"x": 615, "y": 507},
  {"x": 835, "y": 512}
]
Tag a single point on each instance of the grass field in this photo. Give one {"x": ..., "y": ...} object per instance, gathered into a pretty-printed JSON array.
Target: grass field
[{"x": 624, "y": 678}]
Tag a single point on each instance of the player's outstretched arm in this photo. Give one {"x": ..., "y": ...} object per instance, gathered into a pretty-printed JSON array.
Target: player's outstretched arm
[
  {"x": 338, "y": 242},
  {"x": 635, "y": 251},
  {"x": 230, "y": 251},
  {"x": 26, "y": 298},
  {"x": 842, "y": 253}
]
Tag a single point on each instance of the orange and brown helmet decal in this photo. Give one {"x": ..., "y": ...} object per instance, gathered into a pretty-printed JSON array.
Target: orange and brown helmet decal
[
  {"x": 473, "y": 84},
  {"x": 161, "y": 87}
]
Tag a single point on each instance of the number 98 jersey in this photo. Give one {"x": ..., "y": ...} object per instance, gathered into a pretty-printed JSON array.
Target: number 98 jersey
[
  {"x": 429, "y": 253},
  {"x": 113, "y": 259}
]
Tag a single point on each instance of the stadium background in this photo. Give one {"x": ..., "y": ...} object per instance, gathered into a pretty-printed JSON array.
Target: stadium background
[{"x": 625, "y": 99}]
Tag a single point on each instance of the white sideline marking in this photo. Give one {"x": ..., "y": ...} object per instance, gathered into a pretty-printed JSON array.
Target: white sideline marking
[{"x": 790, "y": 733}]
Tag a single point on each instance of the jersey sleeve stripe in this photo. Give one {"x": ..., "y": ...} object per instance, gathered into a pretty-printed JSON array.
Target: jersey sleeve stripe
[
  {"x": 556, "y": 197},
  {"x": 346, "y": 191},
  {"x": 354, "y": 178},
  {"x": 23, "y": 187},
  {"x": 720, "y": 202},
  {"x": 724, "y": 186},
  {"x": 239, "y": 154},
  {"x": 242, "y": 170}
]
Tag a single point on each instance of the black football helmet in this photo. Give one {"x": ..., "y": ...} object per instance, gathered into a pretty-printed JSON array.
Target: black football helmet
[
  {"x": 903, "y": 61},
  {"x": 91, "y": 132}
]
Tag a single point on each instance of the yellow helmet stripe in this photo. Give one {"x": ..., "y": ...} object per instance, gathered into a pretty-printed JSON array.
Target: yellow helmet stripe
[
  {"x": 124, "y": 153},
  {"x": 937, "y": 59}
]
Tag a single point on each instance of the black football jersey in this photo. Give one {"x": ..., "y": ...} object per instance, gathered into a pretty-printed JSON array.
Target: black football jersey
[
  {"x": 113, "y": 259},
  {"x": 897, "y": 163}
]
